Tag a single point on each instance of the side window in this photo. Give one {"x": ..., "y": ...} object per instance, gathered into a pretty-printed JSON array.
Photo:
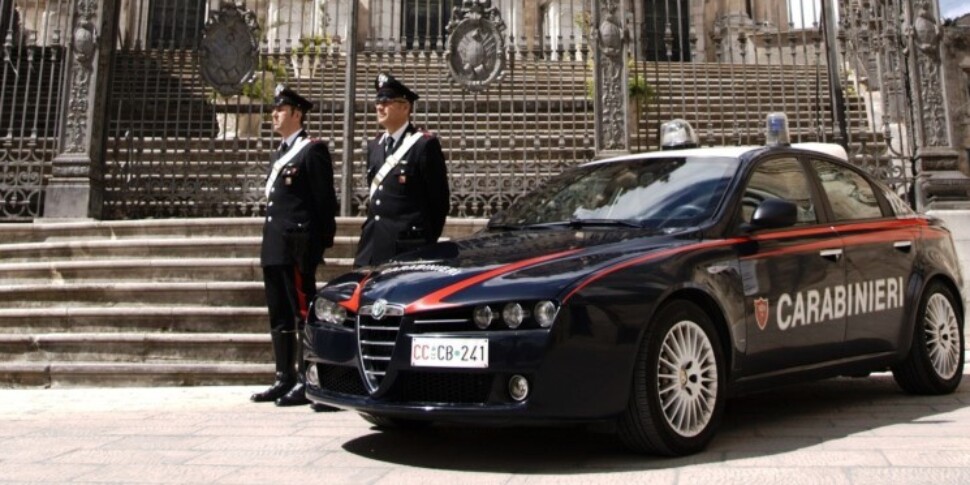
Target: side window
[
  {"x": 900, "y": 207},
  {"x": 850, "y": 194},
  {"x": 779, "y": 178}
]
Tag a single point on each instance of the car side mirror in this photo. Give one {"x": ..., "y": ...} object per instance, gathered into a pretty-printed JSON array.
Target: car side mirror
[{"x": 773, "y": 214}]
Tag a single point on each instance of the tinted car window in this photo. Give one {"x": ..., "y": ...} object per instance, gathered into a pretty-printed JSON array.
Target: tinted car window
[
  {"x": 849, "y": 193},
  {"x": 780, "y": 178},
  {"x": 654, "y": 193}
]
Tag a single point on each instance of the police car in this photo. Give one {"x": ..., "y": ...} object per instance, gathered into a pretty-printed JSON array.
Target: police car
[{"x": 645, "y": 290}]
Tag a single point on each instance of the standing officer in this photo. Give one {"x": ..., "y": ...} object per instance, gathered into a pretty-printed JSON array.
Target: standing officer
[
  {"x": 407, "y": 177},
  {"x": 300, "y": 223}
]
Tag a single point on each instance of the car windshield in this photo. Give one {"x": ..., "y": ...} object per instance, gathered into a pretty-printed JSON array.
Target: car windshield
[{"x": 658, "y": 193}]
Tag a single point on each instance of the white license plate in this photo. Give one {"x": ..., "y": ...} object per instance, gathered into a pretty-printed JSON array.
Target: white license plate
[{"x": 449, "y": 352}]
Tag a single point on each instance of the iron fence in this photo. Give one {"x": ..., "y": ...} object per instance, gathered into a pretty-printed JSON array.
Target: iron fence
[
  {"x": 30, "y": 96},
  {"x": 178, "y": 147}
]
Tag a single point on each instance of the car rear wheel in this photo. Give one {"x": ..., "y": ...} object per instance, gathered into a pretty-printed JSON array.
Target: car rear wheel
[
  {"x": 934, "y": 364},
  {"x": 677, "y": 395},
  {"x": 387, "y": 422}
]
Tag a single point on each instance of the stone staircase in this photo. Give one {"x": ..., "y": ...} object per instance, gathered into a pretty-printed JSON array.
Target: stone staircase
[{"x": 150, "y": 302}]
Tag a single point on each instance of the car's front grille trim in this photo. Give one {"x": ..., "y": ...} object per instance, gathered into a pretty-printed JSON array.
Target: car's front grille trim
[
  {"x": 440, "y": 321},
  {"x": 375, "y": 346}
]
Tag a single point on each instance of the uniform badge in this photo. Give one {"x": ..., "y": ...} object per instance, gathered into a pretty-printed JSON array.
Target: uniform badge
[
  {"x": 402, "y": 179},
  {"x": 288, "y": 181},
  {"x": 761, "y": 312}
]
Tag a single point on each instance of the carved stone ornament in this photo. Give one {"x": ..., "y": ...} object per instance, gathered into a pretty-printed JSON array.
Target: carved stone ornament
[
  {"x": 609, "y": 38},
  {"x": 476, "y": 46},
  {"x": 229, "y": 49},
  {"x": 85, "y": 42},
  {"x": 84, "y": 45},
  {"x": 926, "y": 32},
  {"x": 927, "y": 35}
]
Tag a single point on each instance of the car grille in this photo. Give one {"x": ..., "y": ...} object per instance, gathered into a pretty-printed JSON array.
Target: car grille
[
  {"x": 440, "y": 388},
  {"x": 376, "y": 343},
  {"x": 339, "y": 379}
]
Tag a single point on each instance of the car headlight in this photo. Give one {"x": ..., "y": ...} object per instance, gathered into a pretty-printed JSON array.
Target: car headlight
[
  {"x": 328, "y": 311},
  {"x": 513, "y": 314},
  {"x": 483, "y": 316},
  {"x": 545, "y": 313}
]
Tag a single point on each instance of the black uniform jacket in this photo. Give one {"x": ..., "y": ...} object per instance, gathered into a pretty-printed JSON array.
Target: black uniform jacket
[
  {"x": 409, "y": 208},
  {"x": 301, "y": 209}
]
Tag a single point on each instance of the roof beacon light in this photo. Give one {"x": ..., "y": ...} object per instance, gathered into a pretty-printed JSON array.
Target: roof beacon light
[
  {"x": 677, "y": 134},
  {"x": 776, "y": 130}
]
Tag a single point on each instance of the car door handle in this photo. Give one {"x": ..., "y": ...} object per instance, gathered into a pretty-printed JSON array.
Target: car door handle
[
  {"x": 903, "y": 246},
  {"x": 831, "y": 254}
]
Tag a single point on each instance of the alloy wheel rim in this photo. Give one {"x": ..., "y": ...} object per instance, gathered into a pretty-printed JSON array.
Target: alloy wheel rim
[
  {"x": 942, "y": 335},
  {"x": 687, "y": 379}
]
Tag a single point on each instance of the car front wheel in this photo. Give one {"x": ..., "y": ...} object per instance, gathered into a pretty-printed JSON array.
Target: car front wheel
[
  {"x": 677, "y": 395},
  {"x": 934, "y": 364}
]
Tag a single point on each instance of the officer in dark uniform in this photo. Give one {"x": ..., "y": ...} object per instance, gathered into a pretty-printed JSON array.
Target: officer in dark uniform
[
  {"x": 407, "y": 180},
  {"x": 300, "y": 223}
]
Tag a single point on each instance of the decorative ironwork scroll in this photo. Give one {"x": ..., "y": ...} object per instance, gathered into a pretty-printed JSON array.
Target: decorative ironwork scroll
[
  {"x": 229, "y": 49},
  {"x": 476, "y": 46}
]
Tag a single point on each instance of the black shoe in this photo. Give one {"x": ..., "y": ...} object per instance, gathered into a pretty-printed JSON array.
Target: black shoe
[
  {"x": 323, "y": 408},
  {"x": 276, "y": 391},
  {"x": 296, "y": 397}
]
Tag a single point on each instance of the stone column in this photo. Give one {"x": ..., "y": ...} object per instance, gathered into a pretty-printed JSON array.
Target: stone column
[
  {"x": 610, "y": 100},
  {"x": 939, "y": 182},
  {"x": 76, "y": 188}
]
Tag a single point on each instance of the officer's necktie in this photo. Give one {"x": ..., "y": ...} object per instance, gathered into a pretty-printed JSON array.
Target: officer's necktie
[
  {"x": 283, "y": 148},
  {"x": 388, "y": 146}
]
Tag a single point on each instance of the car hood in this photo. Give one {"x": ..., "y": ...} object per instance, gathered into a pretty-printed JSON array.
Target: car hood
[{"x": 497, "y": 266}]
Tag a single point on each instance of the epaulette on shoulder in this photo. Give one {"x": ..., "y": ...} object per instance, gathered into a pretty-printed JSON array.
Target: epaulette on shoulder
[{"x": 426, "y": 133}]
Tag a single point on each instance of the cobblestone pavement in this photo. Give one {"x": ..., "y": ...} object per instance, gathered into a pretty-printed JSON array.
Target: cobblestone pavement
[{"x": 856, "y": 431}]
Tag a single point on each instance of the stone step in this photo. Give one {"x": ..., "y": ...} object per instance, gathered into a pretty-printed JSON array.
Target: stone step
[
  {"x": 151, "y": 270},
  {"x": 211, "y": 293},
  {"x": 224, "y": 347},
  {"x": 90, "y": 374},
  {"x": 149, "y": 251},
  {"x": 136, "y": 318},
  {"x": 46, "y": 230}
]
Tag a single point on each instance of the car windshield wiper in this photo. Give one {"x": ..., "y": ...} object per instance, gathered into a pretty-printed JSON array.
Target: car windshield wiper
[{"x": 604, "y": 222}]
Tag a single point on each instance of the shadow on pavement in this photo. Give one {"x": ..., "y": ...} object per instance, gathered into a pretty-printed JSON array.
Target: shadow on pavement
[{"x": 763, "y": 424}]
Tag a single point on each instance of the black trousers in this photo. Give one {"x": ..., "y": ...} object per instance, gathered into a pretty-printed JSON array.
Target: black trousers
[{"x": 288, "y": 294}]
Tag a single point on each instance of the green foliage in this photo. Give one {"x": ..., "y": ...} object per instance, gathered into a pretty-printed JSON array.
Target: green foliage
[
  {"x": 640, "y": 90},
  {"x": 315, "y": 45}
]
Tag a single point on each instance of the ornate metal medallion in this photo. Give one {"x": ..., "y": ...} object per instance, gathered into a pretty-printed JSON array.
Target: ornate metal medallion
[
  {"x": 229, "y": 49},
  {"x": 476, "y": 47}
]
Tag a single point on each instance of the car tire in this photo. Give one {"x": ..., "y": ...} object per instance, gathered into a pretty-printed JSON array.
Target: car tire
[
  {"x": 387, "y": 422},
  {"x": 676, "y": 411},
  {"x": 934, "y": 364}
]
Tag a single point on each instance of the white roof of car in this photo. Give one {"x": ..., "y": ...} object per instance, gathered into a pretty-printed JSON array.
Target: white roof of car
[{"x": 830, "y": 149}]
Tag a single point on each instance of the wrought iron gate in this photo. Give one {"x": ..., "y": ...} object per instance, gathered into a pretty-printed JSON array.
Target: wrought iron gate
[
  {"x": 31, "y": 93},
  {"x": 178, "y": 146},
  {"x": 725, "y": 73}
]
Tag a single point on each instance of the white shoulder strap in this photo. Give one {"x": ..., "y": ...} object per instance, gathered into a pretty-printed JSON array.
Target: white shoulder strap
[
  {"x": 393, "y": 160},
  {"x": 279, "y": 164}
]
